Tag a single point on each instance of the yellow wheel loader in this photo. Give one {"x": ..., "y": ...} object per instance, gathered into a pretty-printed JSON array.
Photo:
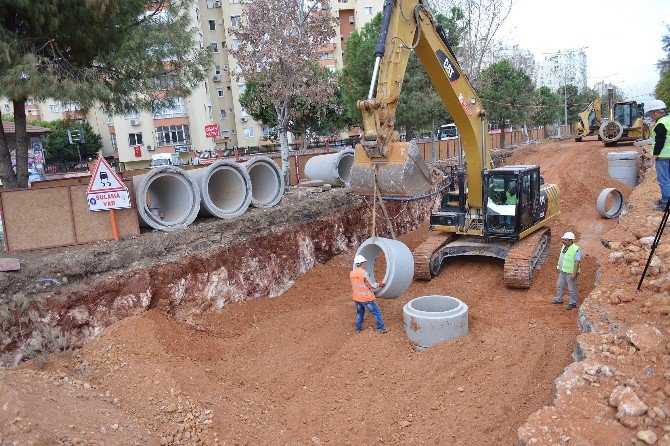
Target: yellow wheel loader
[
  {"x": 589, "y": 120},
  {"x": 499, "y": 212},
  {"x": 625, "y": 124}
]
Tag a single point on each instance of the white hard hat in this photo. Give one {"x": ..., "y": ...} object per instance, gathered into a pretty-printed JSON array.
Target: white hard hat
[
  {"x": 656, "y": 104},
  {"x": 359, "y": 259},
  {"x": 568, "y": 236}
]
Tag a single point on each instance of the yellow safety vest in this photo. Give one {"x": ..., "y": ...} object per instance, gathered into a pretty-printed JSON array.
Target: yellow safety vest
[
  {"x": 569, "y": 260},
  {"x": 665, "y": 152}
]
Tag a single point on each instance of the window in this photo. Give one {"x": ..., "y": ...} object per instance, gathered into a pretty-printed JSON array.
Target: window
[
  {"x": 236, "y": 44},
  {"x": 134, "y": 139},
  {"x": 173, "y": 134},
  {"x": 368, "y": 10},
  {"x": 242, "y": 88},
  {"x": 234, "y": 20},
  {"x": 215, "y": 47},
  {"x": 223, "y": 114},
  {"x": 30, "y": 102},
  {"x": 232, "y": 2},
  {"x": 133, "y": 114},
  {"x": 326, "y": 55},
  {"x": 209, "y": 111},
  {"x": 220, "y": 92},
  {"x": 212, "y": 25},
  {"x": 70, "y": 106},
  {"x": 248, "y": 132},
  {"x": 54, "y": 108},
  {"x": 110, "y": 117},
  {"x": 217, "y": 70},
  {"x": 7, "y": 107},
  {"x": 210, "y": 4},
  {"x": 200, "y": 40},
  {"x": 266, "y": 132},
  {"x": 115, "y": 146},
  {"x": 169, "y": 108},
  {"x": 224, "y": 133},
  {"x": 197, "y": 14},
  {"x": 351, "y": 19}
]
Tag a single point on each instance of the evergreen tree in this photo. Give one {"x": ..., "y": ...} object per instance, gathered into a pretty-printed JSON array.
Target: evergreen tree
[
  {"x": 662, "y": 89},
  {"x": 548, "y": 107},
  {"x": 507, "y": 93},
  {"x": 113, "y": 53}
]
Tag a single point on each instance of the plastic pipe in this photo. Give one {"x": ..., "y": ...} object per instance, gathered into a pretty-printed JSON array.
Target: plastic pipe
[
  {"x": 267, "y": 184},
  {"x": 399, "y": 265},
  {"x": 167, "y": 198},
  {"x": 333, "y": 169},
  {"x": 225, "y": 188}
]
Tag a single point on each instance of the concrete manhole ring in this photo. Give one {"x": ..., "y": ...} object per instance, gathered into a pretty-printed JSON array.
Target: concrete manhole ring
[
  {"x": 399, "y": 264},
  {"x": 616, "y": 204},
  {"x": 430, "y": 320}
]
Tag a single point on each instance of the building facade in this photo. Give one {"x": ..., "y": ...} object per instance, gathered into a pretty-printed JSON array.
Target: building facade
[
  {"x": 179, "y": 127},
  {"x": 563, "y": 68}
]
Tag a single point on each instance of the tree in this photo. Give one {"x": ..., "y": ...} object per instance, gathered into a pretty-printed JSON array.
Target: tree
[
  {"x": 662, "y": 89},
  {"x": 58, "y": 147},
  {"x": 483, "y": 19},
  {"x": 419, "y": 105},
  {"x": 507, "y": 93},
  {"x": 548, "y": 107},
  {"x": 117, "y": 54},
  {"x": 577, "y": 101},
  {"x": 279, "y": 47},
  {"x": 322, "y": 118}
]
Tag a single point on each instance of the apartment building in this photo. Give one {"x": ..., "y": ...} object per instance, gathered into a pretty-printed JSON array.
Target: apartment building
[
  {"x": 179, "y": 127},
  {"x": 567, "y": 67}
]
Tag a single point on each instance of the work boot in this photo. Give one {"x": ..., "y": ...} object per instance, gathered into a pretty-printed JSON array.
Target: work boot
[
  {"x": 571, "y": 306},
  {"x": 658, "y": 207},
  {"x": 358, "y": 330},
  {"x": 556, "y": 302},
  {"x": 383, "y": 330}
]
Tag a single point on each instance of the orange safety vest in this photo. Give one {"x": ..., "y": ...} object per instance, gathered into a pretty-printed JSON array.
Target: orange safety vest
[{"x": 361, "y": 290}]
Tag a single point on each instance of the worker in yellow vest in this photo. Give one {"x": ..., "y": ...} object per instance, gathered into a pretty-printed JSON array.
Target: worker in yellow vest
[
  {"x": 660, "y": 141},
  {"x": 568, "y": 269},
  {"x": 364, "y": 297}
]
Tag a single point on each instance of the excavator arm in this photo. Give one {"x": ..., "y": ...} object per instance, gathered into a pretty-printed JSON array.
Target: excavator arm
[{"x": 398, "y": 167}]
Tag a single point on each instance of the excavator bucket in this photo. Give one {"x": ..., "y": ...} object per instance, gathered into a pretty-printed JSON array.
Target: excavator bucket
[{"x": 402, "y": 173}]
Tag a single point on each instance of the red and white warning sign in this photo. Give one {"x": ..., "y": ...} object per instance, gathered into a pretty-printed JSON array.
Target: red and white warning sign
[{"x": 106, "y": 190}]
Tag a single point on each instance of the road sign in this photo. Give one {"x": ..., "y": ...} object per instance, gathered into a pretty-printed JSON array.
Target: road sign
[
  {"x": 211, "y": 130},
  {"x": 106, "y": 191}
]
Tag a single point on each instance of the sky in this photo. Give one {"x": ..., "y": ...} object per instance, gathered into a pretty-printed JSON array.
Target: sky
[{"x": 621, "y": 39}]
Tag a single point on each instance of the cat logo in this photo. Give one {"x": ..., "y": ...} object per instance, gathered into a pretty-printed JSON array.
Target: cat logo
[{"x": 449, "y": 68}]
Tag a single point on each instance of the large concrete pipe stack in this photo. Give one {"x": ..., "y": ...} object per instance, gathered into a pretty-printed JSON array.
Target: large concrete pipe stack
[
  {"x": 167, "y": 198},
  {"x": 225, "y": 189},
  {"x": 399, "y": 264},
  {"x": 333, "y": 169},
  {"x": 267, "y": 184}
]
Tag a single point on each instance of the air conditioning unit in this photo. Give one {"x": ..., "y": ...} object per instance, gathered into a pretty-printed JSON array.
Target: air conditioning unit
[
  {"x": 225, "y": 68},
  {"x": 217, "y": 3},
  {"x": 244, "y": 118},
  {"x": 217, "y": 78},
  {"x": 135, "y": 122}
]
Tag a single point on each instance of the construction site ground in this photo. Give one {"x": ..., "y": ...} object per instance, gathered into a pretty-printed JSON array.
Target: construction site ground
[{"x": 291, "y": 370}]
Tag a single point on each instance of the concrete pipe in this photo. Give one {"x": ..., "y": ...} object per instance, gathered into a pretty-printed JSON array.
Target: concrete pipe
[
  {"x": 267, "y": 184},
  {"x": 610, "y": 131},
  {"x": 622, "y": 166},
  {"x": 616, "y": 203},
  {"x": 430, "y": 320},
  {"x": 167, "y": 198},
  {"x": 333, "y": 169},
  {"x": 399, "y": 265},
  {"x": 225, "y": 188}
]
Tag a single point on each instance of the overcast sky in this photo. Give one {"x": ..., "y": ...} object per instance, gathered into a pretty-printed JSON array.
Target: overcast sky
[{"x": 623, "y": 37}]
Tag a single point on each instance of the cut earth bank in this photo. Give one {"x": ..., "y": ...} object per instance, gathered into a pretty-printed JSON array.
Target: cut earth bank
[{"x": 290, "y": 370}]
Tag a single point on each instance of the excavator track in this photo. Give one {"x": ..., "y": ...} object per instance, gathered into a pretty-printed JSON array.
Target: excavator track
[
  {"x": 527, "y": 255},
  {"x": 427, "y": 256}
]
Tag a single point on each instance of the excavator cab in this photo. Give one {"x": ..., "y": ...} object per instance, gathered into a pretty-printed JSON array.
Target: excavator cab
[{"x": 513, "y": 201}]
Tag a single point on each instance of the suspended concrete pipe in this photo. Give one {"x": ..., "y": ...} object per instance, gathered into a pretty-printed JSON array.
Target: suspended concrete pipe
[
  {"x": 225, "y": 188},
  {"x": 167, "y": 198},
  {"x": 267, "y": 184},
  {"x": 615, "y": 206},
  {"x": 430, "y": 320},
  {"x": 399, "y": 265},
  {"x": 333, "y": 169}
]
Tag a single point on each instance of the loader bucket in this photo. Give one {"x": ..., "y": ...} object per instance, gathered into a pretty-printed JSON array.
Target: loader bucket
[{"x": 403, "y": 173}]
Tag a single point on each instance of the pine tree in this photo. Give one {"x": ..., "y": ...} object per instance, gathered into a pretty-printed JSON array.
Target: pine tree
[{"x": 113, "y": 53}]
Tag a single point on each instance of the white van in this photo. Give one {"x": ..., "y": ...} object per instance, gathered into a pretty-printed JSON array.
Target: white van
[
  {"x": 447, "y": 131},
  {"x": 165, "y": 159}
]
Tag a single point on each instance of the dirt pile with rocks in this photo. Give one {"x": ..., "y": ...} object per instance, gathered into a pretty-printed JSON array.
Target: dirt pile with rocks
[{"x": 618, "y": 393}]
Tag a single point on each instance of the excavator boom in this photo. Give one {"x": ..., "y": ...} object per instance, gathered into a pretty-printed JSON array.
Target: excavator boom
[{"x": 400, "y": 169}]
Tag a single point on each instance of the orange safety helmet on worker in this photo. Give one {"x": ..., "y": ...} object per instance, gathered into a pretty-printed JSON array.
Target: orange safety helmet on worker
[{"x": 361, "y": 288}]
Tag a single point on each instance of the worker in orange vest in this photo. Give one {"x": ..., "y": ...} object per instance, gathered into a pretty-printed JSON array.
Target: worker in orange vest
[{"x": 364, "y": 297}]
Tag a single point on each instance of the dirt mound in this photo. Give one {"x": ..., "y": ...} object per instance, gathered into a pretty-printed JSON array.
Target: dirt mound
[{"x": 291, "y": 369}]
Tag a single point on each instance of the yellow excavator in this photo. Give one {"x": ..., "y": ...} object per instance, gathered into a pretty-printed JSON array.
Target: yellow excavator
[
  {"x": 499, "y": 212},
  {"x": 589, "y": 120}
]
